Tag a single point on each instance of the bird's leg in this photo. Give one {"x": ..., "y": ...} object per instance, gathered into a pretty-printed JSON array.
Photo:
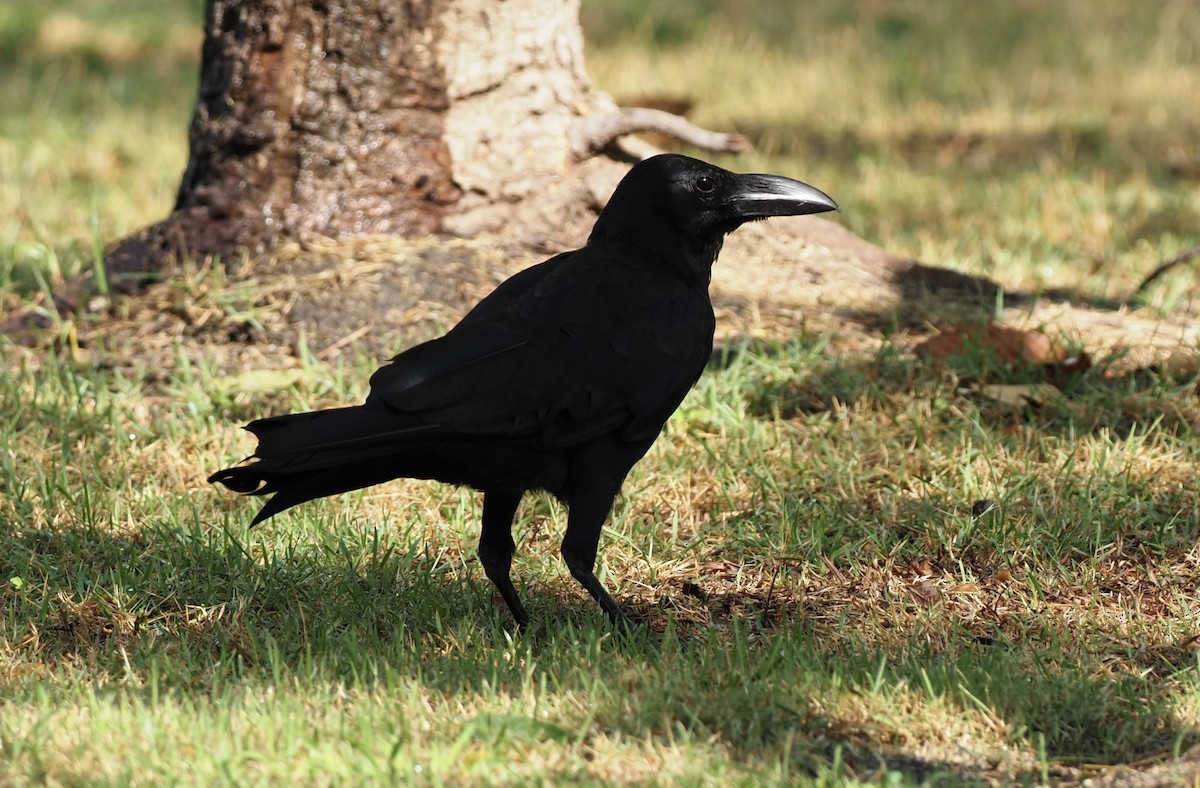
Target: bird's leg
[
  {"x": 588, "y": 510},
  {"x": 496, "y": 548}
]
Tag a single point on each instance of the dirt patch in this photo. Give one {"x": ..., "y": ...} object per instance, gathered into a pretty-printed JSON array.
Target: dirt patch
[{"x": 774, "y": 282}]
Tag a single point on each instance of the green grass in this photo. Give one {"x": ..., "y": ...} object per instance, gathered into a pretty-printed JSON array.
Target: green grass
[
  {"x": 1050, "y": 147},
  {"x": 358, "y": 639},
  {"x": 94, "y": 139},
  {"x": 823, "y": 604}
]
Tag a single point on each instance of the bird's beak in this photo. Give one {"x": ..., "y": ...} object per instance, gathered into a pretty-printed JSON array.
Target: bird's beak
[{"x": 759, "y": 196}]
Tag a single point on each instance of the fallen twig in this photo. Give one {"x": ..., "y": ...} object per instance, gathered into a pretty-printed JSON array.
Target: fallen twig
[
  {"x": 333, "y": 348},
  {"x": 1178, "y": 259}
]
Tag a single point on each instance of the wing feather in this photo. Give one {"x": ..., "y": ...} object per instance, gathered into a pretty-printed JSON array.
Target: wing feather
[{"x": 582, "y": 345}]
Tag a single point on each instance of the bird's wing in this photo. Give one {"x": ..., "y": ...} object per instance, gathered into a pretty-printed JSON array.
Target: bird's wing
[{"x": 580, "y": 348}]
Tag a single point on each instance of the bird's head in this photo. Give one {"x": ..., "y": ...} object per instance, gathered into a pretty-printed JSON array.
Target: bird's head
[{"x": 673, "y": 204}]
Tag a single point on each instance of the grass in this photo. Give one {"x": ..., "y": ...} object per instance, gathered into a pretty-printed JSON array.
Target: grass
[
  {"x": 845, "y": 598},
  {"x": 825, "y": 604},
  {"x": 1043, "y": 146}
]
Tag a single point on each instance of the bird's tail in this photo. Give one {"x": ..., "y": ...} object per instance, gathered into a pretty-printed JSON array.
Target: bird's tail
[{"x": 303, "y": 456}]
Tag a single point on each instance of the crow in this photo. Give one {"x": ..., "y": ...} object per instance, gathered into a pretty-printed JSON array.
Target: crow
[{"x": 559, "y": 380}]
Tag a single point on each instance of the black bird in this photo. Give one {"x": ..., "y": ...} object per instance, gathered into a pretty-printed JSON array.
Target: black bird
[{"x": 560, "y": 380}]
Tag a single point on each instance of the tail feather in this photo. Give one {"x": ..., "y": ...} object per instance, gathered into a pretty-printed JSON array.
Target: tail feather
[
  {"x": 241, "y": 479},
  {"x": 303, "y": 456}
]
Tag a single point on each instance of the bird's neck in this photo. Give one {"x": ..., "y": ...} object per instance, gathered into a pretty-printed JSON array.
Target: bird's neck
[
  {"x": 701, "y": 258},
  {"x": 689, "y": 259}
]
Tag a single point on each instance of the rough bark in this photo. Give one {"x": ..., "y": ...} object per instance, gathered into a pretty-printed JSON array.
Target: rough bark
[{"x": 311, "y": 117}]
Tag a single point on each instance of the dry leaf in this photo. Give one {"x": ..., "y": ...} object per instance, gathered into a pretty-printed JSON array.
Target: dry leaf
[
  {"x": 925, "y": 591},
  {"x": 1009, "y": 344}
]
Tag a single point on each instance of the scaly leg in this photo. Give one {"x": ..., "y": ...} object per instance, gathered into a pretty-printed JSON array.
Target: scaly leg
[
  {"x": 589, "y": 508},
  {"x": 496, "y": 548}
]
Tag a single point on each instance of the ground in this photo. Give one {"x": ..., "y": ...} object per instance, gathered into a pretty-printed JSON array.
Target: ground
[
  {"x": 774, "y": 284},
  {"x": 268, "y": 329},
  {"x": 881, "y": 541}
]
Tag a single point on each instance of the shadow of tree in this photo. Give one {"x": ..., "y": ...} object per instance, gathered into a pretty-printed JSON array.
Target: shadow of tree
[
  {"x": 204, "y": 607},
  {"x": 1075, "y": 648}
]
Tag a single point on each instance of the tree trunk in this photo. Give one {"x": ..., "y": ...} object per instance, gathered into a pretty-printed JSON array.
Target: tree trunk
[
  {"x": 385, "y": 116},
  {"x": 325, "y": 118}
]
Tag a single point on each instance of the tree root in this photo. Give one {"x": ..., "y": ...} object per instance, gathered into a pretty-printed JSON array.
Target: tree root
[{"x": 591, "y": 134}]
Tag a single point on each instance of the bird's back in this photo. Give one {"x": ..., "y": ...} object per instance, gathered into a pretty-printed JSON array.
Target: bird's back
[{"x": 593, "y": 343}]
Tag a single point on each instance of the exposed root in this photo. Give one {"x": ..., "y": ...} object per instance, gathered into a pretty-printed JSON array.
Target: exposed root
[{"x": 591, "y": 134}]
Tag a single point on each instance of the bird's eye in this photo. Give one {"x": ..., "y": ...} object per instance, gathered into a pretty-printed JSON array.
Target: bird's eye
[{"x": 706, "y": 185}]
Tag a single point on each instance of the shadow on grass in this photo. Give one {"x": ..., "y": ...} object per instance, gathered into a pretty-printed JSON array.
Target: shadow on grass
[
  {"x": 278, "y": 595},
  {"x": 319, "y": 599},
  {"x": 207, "y": 609},
  {"x": 1091, "y": 399},
  {"x": 1072, "y": 650},
  {"x": 1088, "y": 541}
]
